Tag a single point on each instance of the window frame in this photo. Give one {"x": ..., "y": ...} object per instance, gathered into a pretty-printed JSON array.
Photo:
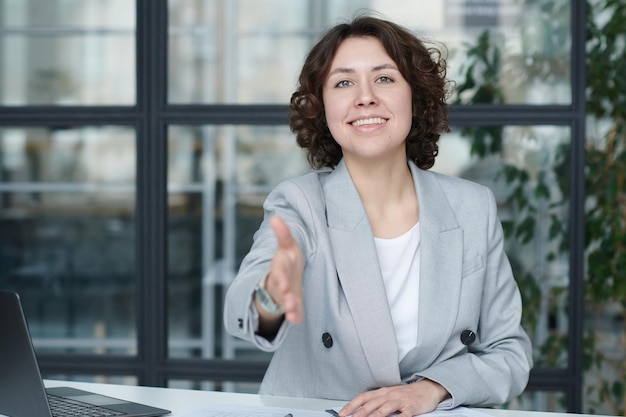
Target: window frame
[{"x": 151, "y": 116}]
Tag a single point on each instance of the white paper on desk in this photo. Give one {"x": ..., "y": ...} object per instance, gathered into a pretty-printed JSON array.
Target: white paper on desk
[
  {"x": 219, "y": 410},
  {"x": 259, "y": 411},
  {"x": 455, "y": 412}
]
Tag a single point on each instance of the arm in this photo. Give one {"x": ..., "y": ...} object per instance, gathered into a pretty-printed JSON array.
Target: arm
[
  {"x": 279, "y": 243},
  {"x": 496, "y": 367}
]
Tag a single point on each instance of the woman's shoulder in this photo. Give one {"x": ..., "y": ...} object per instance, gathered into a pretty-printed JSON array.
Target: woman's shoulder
[
  {"x": 305, "y": 191},
  {"x": 309, "y": 182},
  {"x": 451, "y": 183}
]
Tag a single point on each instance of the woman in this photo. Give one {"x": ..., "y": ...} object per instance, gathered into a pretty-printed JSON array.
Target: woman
[{"x": 378, "y": 281}]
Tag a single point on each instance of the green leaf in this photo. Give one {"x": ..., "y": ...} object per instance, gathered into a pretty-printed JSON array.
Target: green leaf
[{"x": 526, "y": 230}]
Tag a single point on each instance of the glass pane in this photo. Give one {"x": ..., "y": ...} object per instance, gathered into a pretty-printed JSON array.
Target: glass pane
[
  {"x": 67, "y": 235},
  {"x": 67, "y": 52},
  {"x": 527, "y": 168},
  {"x": 218, "y": 178},
  {"x": 227, "y": 51}
]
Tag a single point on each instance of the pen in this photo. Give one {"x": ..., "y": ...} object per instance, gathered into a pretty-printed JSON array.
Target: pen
[
  {"x": 332, "y": 412},
  {"x": 288, "y": 415}
]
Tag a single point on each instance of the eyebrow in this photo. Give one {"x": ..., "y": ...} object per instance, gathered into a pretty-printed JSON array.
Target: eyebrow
[{"x": 342, "y": 70}]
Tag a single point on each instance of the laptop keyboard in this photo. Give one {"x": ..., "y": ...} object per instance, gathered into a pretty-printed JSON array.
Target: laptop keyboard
[{"x": 64, "y": 407}]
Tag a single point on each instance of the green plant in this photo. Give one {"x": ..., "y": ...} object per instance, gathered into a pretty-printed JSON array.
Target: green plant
[
  {"x": 531, "y": 196},
  {"x": 605, "y": 216}
]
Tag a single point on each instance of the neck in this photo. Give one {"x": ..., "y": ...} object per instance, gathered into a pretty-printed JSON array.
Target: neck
[{"x": 388, "y": 194}]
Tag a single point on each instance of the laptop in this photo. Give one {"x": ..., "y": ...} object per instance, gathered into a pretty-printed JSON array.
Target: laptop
[{"x": 22, "y": 392}]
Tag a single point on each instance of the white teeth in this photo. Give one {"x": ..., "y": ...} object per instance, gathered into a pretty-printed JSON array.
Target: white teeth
[{"x": 371, "y": 121}]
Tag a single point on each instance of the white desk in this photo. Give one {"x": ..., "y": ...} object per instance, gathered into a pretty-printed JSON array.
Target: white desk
[{"x": 184, "y": 401}]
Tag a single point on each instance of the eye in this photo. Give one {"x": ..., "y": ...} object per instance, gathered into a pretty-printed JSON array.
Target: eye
[
  {"x": 383, "y": 79},
  {"x": 343, "y": 83}
]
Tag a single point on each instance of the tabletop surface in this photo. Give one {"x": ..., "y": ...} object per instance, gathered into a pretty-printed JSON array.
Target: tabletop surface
[{"x": 182, "y": 401}]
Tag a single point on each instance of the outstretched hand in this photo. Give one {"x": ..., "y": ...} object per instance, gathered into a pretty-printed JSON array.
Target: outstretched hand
[{"x": 284, "y": 281}]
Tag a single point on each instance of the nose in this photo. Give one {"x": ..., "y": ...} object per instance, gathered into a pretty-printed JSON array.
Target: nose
[{"x": 366, "y": 96}]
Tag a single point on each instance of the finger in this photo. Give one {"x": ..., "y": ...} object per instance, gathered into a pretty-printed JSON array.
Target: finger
[
  {"x": 286, "y": 271},
  {"x": 291, "y": 296},
  {"x": 375, "y": 406},
  {"x": 282, "y": 232},
  {"x": 292, "y": 306},
  {"x": 354, "y": 404},
  {"x": 281, "y": 270}
]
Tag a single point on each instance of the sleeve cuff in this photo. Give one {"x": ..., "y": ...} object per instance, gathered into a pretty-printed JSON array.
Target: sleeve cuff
[{"x": 261, "y": 342}]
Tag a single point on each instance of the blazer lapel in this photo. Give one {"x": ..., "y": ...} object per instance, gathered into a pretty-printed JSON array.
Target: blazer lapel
[
  {"x": 359, "y": 273},
  {"x": 441, "y": 269}
]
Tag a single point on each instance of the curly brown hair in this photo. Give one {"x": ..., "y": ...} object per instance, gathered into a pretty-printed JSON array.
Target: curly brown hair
[{"x": 423, "y": 68}]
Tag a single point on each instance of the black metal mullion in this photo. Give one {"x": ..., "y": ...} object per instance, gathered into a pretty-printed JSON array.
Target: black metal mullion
[
  {"x": 577, "y": 204},
  {"x": 151, "y": 192},
  {"x": 71, "y": 116},
  {"x": 239, "y": 370},
  {"x": 253, "y": 114},
  {"x": 500, "y": 115},
  {"x": 80, "y": 364}
]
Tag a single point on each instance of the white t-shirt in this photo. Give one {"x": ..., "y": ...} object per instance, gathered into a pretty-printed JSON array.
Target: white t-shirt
[{"x": 399, "y": 262}]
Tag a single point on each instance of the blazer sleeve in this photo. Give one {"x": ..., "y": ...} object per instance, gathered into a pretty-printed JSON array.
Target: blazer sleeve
[{"x": 496, "y": 367}]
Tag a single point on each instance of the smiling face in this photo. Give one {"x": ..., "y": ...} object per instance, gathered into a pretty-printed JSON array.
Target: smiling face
[{"x": 367, "y": 101}]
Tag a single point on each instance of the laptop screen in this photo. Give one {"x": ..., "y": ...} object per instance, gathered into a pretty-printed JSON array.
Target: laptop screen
[{"x": 22, "y": 392}]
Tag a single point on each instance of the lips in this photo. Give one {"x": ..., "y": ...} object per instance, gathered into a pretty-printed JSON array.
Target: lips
[{"x": 369, "y": 121}]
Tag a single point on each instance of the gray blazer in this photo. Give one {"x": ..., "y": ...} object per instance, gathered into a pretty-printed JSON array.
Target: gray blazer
[{"x": 469, "y": 335}]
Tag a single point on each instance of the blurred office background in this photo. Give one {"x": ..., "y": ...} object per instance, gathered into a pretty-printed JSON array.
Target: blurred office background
[{"x": 138, "y": 140}]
